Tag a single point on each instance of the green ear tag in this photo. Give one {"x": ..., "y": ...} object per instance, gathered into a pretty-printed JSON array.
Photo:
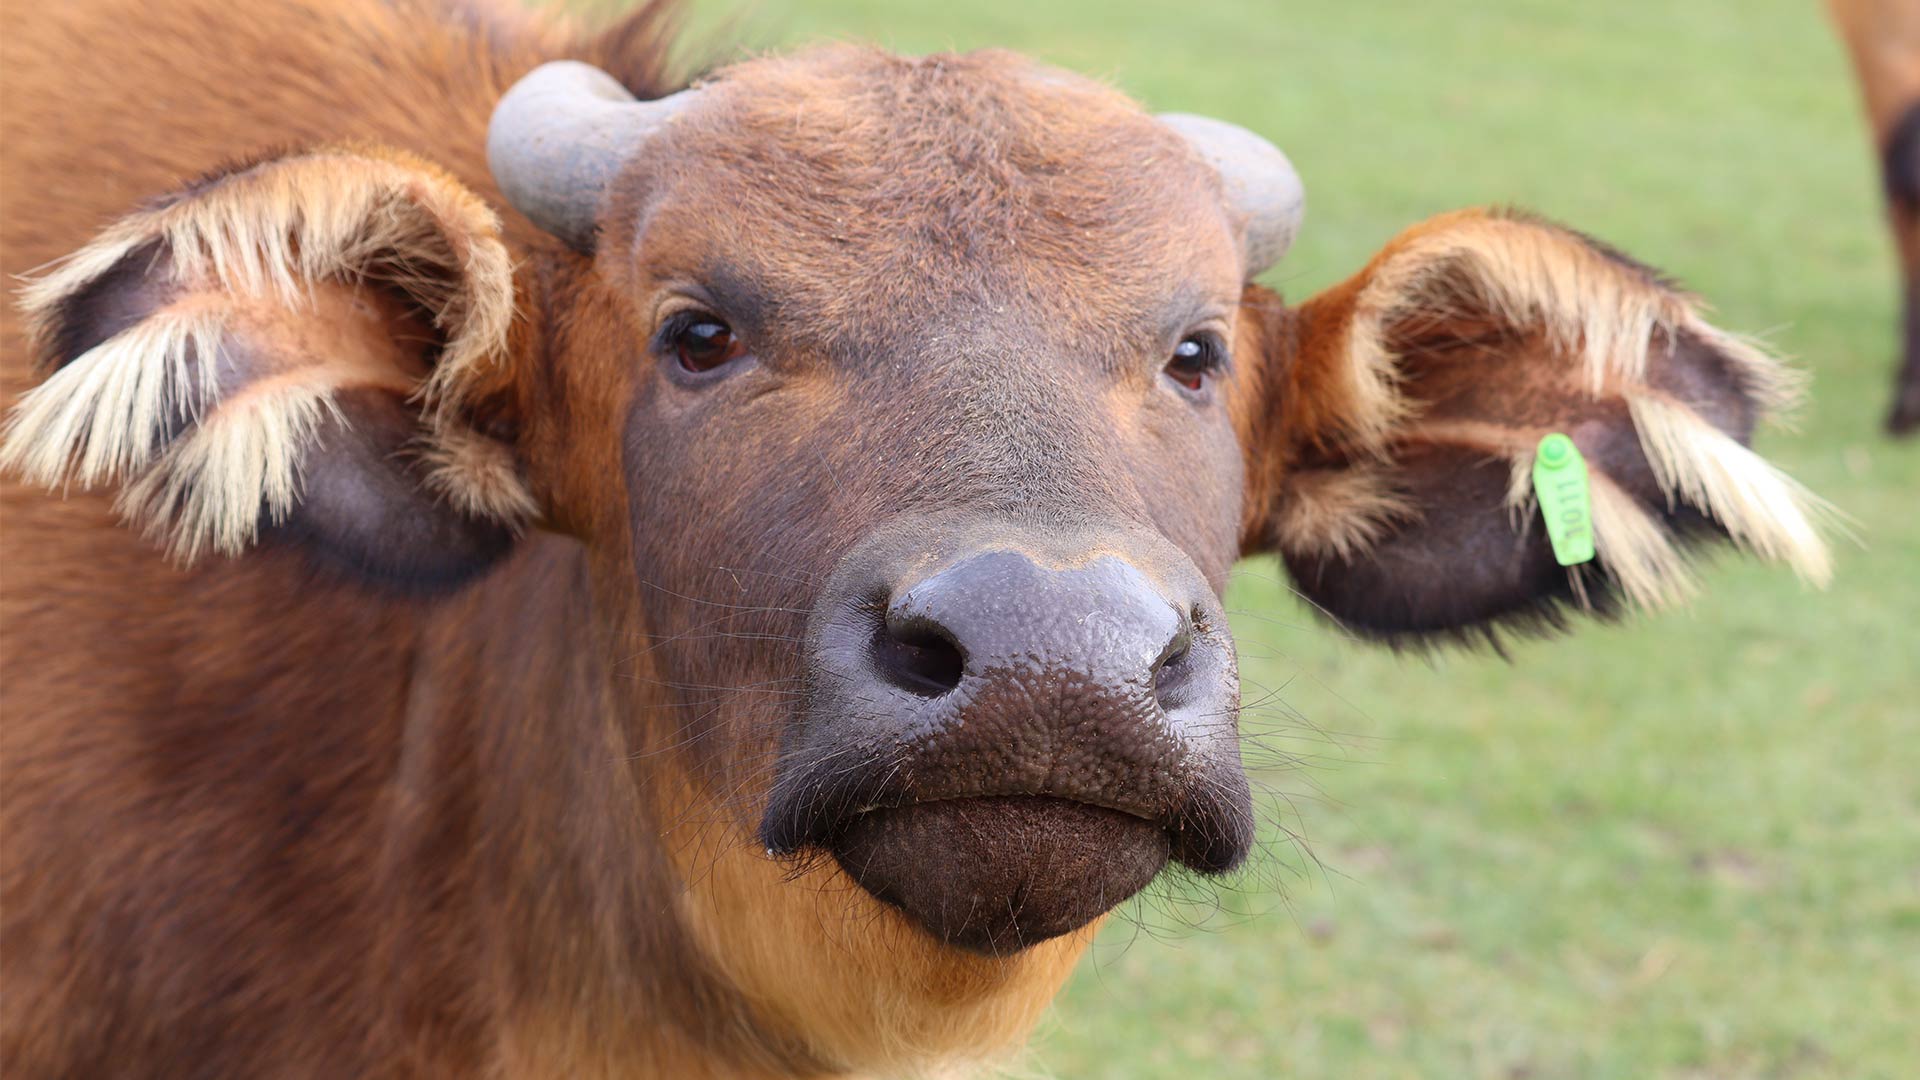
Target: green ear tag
[{"x": 1560, "y": 482}]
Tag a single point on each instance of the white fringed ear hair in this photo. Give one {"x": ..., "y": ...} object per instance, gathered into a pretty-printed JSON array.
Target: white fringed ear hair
[
  {"x": 204, "y": 351},
  {"x": 1423, "y": 385}
]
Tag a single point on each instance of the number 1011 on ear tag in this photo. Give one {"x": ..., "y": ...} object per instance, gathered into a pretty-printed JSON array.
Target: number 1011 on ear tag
[{"x": 1560, "y": 483}]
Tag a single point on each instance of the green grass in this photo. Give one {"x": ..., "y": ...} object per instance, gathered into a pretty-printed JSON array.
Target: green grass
[{"x": 1684, "y": 847}]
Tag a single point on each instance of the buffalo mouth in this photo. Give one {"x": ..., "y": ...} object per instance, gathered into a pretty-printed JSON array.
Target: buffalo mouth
[{"x": 996, "y": 874}]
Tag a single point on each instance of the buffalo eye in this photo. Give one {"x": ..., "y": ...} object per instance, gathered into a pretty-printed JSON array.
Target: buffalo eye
[
  {"x": 1194, "y": 359},
  {"x": 701, "y": 342}
]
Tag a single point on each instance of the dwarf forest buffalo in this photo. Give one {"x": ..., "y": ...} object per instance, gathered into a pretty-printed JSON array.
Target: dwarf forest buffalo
[
  {"x": 516, "y": 568},
  {"x": 1883, "y": 37}
]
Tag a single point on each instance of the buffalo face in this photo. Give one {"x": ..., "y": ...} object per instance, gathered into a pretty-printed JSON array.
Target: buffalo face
[{"x": 930, "y": 456}]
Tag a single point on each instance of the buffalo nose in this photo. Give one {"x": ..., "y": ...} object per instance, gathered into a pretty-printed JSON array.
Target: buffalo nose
[{"x": 1000, "y": 617}]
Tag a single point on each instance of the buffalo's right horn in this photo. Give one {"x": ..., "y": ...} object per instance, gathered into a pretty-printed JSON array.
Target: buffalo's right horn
[{"x": 559, "y": 136}]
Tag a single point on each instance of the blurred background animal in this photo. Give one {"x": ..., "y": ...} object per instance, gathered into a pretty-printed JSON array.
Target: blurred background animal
[{"x": 1883, "y": 37}]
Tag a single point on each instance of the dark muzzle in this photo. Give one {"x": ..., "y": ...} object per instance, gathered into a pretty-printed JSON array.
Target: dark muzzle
[{"x": 1006, "y": 749}]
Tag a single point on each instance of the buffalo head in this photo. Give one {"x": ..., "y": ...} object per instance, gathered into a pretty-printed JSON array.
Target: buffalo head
[{"x": 926, "y": 369}]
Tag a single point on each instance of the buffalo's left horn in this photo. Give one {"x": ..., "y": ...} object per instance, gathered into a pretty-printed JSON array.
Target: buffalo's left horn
[
  {"x": 1260, "y": 182},
  {"x": 560, "y": 134}
]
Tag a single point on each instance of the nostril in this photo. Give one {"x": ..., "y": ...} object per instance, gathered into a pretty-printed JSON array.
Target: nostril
[
  {"x": 1173, "y": 669},
  {"x": 919, "y": 658}
]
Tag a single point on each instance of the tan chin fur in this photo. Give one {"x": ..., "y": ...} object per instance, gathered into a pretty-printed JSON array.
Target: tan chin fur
[
  {"x": 261, "y": 243},
  {"x": 1601, "y": 318},
  {"x": 865, "y": 990}
]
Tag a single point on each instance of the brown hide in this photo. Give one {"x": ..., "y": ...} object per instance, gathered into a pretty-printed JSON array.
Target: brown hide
[{"x": 1883, "y": 37}]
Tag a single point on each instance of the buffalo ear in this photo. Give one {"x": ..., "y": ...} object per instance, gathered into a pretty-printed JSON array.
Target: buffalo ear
[
  {"x": 288, "y": 347},
  {"x": 1414, "y": 396}
]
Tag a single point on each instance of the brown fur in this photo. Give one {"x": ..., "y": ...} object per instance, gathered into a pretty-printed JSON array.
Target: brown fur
[{"x": 267, "y": 815}]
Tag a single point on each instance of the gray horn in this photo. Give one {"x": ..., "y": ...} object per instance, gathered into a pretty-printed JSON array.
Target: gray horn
[
  {"x": 560, "y": 135},
  {"x": 1260, "y": 183}
]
